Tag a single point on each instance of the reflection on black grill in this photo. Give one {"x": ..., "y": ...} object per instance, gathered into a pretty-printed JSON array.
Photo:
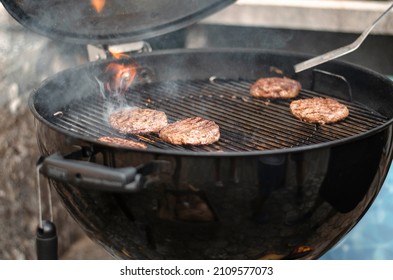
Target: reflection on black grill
[{"x": 246, "y": 123}]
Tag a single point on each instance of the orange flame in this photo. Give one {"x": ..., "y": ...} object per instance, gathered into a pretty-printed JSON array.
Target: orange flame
[
  {"x": 118, "y": 55},
  {"x": 122, "y": 77},
  {"x": 98, "y": 5}
]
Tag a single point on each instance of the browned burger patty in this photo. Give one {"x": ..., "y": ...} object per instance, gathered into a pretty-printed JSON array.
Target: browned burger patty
[
  {"x": 319, "y": 110},
  {"x": 138, "y": 121},
  {"x": 191, "y": 131},
  {"x": 122, "y": 142},
  {"x": 275, "y": 87}
]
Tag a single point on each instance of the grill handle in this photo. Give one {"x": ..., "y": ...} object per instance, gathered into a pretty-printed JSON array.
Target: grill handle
[{"x": 93, "y": 176}]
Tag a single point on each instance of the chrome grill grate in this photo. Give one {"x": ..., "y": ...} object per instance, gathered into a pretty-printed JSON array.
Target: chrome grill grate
[{"x": 246, "y": 123}]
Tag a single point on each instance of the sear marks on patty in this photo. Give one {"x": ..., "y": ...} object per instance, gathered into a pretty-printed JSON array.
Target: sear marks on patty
[
  {"x": 191, "y": 131},
  {"x": 122, "y": 142},
  {"x": 275, "y": 87},
  {"x": 319, "y": 110},
  {"x": 138, "y": 121}
]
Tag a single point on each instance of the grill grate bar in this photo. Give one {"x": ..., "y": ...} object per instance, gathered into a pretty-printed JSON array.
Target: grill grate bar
[
  {"x": 246, "y": 123},
  {"x": 226, "y": 120},
  {"x": 230, "y": 120},
  {"x": 255, "y": 112}
]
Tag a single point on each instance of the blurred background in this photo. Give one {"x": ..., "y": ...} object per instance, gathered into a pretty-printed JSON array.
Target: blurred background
[{"x": 307, "y": 26}]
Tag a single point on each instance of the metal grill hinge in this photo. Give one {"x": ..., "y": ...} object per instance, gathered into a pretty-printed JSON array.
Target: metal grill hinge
[{"x": 105, "y": 51}]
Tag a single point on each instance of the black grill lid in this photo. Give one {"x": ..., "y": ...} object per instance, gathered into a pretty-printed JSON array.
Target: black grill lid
[{"x": 119, "y": 21}]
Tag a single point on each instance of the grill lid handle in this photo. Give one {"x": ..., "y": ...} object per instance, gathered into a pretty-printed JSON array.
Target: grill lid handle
[{"x": 93, "y": 176}]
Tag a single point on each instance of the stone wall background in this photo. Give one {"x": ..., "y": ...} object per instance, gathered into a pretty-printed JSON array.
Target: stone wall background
[{"x": 25, "y": 60}]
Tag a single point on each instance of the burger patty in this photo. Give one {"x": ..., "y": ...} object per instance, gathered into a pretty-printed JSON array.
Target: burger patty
[
  {"x": 191, "y": 131},
  {"x": 138, "y": 121},
  {"x": 122, "y": 142},
  {"x": 319, "y": 110},
  {"x": 275, "y": 87}
]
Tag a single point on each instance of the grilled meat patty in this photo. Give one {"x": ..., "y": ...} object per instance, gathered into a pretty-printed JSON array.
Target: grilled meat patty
[
  {"x": 138, "y": 121},
  {"x": 191, "y": 131},
  {"x": 275, "y": 87},
  {"x": 319, "y": 110},
  {"x": 122, "y": 142}
]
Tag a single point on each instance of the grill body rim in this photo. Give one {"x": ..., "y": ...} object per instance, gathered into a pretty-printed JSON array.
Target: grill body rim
[{"x": 293, "y": 57}]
